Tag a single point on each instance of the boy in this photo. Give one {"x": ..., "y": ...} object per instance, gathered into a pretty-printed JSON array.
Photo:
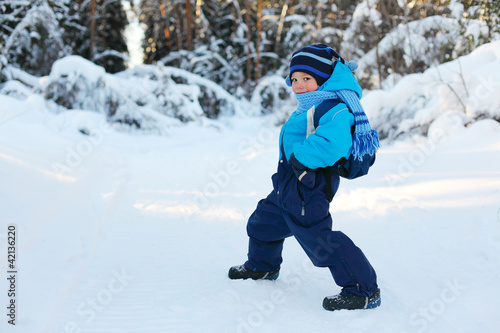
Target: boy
[{"x": 304, "y": 185}]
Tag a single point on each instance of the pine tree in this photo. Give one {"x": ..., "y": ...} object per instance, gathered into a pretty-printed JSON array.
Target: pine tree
[
  {"x": 171, "y": 27},
  {"x": 487, "y": 11},
  {"x": 159, "y": 37},
  {"x": 106, "y": 45},
  {"x": 30, "y": 36}
]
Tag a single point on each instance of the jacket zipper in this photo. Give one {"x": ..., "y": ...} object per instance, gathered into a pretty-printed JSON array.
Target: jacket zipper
[
  {"x": 302, "y": 198},
  {"x": 358, "y": 286}
]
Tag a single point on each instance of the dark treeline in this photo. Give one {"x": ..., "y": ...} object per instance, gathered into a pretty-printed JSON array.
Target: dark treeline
[{"x": 237, "y": 42}]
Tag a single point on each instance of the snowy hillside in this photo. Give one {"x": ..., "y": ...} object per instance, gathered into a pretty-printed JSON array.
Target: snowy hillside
[
  {"x": 135, "y": 233},
  {"x": 465, "y": 89}
]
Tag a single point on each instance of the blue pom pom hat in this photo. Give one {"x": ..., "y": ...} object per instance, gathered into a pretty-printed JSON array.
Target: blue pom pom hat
[{"x": 316, "y": 60}]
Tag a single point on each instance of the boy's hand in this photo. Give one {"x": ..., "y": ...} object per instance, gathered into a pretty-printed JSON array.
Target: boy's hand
[{"x": 305, "y": 175}]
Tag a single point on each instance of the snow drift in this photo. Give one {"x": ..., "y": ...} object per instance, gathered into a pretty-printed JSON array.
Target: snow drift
[
  {"x": 135, "y": 233},
  {"x": 467, "y": 87}
]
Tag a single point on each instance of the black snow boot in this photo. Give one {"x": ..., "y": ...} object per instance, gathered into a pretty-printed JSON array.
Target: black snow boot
[
  {"x": 352, "y": 302},
  {"x": 241, "y": 272}
]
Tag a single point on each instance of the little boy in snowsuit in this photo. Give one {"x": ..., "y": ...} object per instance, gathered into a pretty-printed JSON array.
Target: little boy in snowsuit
[{"x": 302, "y": 188}]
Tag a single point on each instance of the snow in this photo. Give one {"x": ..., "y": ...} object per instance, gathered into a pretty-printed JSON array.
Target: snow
[
  {"x": 467, "y": 85},
  {"x": 365, "y": 12},
  {"x": 41, "y": 12},
  {"x": 408, "y": 38},
  {"x": 135, "y": 233},
  {"x": 73, "y": 67}
]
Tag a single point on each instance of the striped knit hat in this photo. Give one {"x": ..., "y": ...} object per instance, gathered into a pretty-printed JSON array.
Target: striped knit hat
[{"x": 316, "y": 60}]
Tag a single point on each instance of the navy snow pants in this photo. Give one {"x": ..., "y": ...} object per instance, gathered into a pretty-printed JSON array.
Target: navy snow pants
[{"x": 291, "y": 209}]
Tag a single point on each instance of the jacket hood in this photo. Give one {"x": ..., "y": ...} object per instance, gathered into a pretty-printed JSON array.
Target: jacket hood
[{"x": 341, "y": 78}]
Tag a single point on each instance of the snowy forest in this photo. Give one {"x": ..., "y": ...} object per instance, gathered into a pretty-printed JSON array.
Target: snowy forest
[
  {"x": 207, "y": 58},
  {"x": 137, "y": 137}
]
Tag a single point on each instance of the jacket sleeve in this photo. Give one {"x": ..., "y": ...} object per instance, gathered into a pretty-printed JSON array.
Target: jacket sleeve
[{"x": 331, "y": 141}]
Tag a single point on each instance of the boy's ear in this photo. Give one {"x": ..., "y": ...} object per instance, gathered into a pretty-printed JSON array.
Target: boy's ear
[{"x": 288, "y": 81}]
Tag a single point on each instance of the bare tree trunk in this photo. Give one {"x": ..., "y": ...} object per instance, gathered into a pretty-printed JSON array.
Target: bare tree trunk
[
  {"x": 166, "y": 30},
  {"x": 280, "y": 29},
  {"x": 189, "y": 26},
  {"x": 249, "y": 34},
  {"x": 489, "y": 21},
  {"x": 318, "y": 20},
  {"x": 281, "y": 24},
  {"x": 379, "y": 69},
  {"x": 257, "y": 46},
  {"x": 178, "y": 28},
  {"x": 92, "y": 31}
]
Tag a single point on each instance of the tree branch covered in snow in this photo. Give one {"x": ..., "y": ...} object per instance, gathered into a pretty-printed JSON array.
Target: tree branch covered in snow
[
  {"x": 467, "y": 87},
  {"x": 149, "y": 98},
  {"x": 419, "y": 45},
  {"x": 229, "y": 68}
]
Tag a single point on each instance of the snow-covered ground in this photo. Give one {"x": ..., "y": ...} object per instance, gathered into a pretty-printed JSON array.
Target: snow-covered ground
[
  {"x": 117, "y": 232},
  {"x": 121, "y": 233}
]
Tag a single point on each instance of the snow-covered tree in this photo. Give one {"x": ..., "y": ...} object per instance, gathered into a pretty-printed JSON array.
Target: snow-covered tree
[
  {"x": 30, "y": 35},
  {"x": 149, "y": 98},
  {"x": 35, "y": 33},
  {"x": 104, "y": 45},
  {"x": 390, "y": 39},
  {"x": 159, "y": 37},
  {"x": 218, "y": 46},
  {"x": 472, "y": 11}
]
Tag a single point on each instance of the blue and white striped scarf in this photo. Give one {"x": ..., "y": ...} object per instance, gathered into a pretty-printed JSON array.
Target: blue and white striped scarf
[{"x": 365, "y": 139}]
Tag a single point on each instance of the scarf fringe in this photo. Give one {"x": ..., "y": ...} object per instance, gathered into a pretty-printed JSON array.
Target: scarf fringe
[{"x": 365, "y": 143}]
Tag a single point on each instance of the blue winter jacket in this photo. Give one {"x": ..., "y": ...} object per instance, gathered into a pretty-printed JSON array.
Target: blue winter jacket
[{"x": 332, "y": 139}]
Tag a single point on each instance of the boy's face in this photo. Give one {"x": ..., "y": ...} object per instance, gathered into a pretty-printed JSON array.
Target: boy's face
[{"x": 303, "y": 82}]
